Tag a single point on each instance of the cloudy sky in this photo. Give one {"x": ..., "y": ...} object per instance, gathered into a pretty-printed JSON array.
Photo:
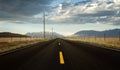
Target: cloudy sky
[{"x": 64, "y": 16}]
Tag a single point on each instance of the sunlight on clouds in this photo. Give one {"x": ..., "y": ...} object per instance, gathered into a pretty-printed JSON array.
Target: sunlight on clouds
[
  {"x": 59, "y": 8},
  {"x": 116, "y": 1},
  {"x": 66, "y": 33},
  {"x": 100, "y": 11}
]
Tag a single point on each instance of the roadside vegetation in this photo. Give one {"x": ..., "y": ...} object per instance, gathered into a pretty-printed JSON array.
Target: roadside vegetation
[
  {"x": 103, "y": 42},
  {"x": 7, "y": 44}
]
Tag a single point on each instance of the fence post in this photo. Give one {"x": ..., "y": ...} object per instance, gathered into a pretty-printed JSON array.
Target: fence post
[
  {"x": 84, "y": 36},
  {"x": 104, "y": 36},
  {"x": 11, "y": 39},
  {"x": 20, "y": 38},
  {"x": 119, "y": 36},
  {"x": 95, "y": 37},
  {"x": 26, "y": 38}
]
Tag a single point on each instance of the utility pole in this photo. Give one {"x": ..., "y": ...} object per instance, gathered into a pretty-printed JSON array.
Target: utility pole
[
  {"x": 11, "y": 38},
  {"x": 44, "y": 24},
  {"x": 52, "y": 32}
]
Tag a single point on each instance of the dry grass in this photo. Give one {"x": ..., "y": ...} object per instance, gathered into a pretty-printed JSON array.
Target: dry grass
[
  {"x": 107, "y": 42},
  {"x": 7, "y": 44},
  {"x": 17, "y": 39}
]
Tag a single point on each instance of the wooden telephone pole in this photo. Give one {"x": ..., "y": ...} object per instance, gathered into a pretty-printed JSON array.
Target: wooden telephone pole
[{"x": 44, "y": 25}]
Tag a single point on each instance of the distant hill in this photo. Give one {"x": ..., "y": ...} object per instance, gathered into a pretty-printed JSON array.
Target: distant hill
[
  {"x": 107, "y": 33},
  {"x": 8, "y": 34},
  {"x": 47, "y": 34}
]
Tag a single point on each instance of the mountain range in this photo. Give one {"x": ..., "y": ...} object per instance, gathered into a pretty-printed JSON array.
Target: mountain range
[
  {"x": 89, "y": 33},
  {"x": 83, "y": 33},
  {"x": 8, "y": 34},
  {"x": 47, "y": 34}
]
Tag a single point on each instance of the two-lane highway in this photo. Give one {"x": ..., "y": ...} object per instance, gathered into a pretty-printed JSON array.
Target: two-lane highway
[{"x": 60, "y": 54}]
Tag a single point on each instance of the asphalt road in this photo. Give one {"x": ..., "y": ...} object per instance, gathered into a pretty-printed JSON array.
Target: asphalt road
[{"x": 76, "y": 56}]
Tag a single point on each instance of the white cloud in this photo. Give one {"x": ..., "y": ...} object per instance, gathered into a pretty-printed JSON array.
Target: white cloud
[
  {"x": 100, "y": 11},
  {"x": 59, "y": 8},
  {"x": 66, "y": 33},
  {"x": 116, "y": 1}
]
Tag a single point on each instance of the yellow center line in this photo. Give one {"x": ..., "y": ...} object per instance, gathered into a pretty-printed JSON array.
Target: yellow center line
[
  {"x": 59, "y": 43},
  {"x": 61, "y": 58}
]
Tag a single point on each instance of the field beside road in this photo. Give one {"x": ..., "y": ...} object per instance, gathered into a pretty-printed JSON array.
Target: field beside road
[
  {"x": 104, "y": 42},
  {"x": 7, "y": 44}
]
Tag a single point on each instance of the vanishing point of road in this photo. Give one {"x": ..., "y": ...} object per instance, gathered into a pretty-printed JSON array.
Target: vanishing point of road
[{"x": 60, "y": 54}]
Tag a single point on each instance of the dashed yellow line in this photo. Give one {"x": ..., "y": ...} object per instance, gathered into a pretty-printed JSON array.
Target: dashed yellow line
[
  {"x": 61, "y": 58},
  {"x": 59, "y": 43}
]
